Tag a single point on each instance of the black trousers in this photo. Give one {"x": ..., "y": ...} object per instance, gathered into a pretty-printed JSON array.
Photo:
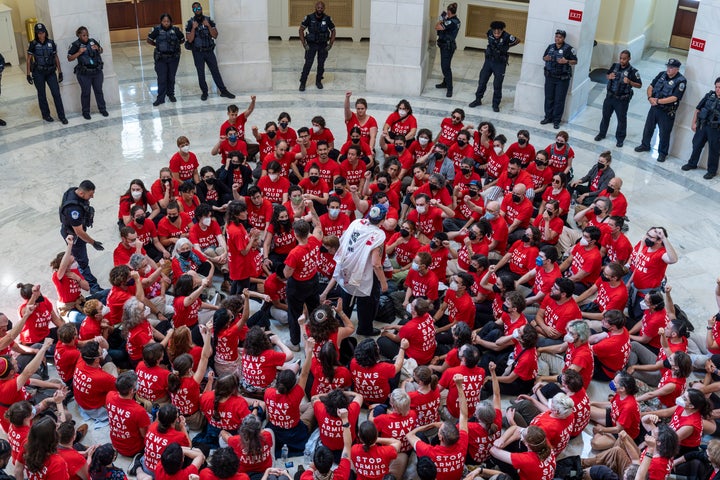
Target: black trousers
[
  {"x": 166, "y": 68},
  {"x": 95, "y": 81},
  {"x": 299, "y": 295},
  {"x": 711, "y": 136},
  {"x": 555, "y": 94},
  {"x": 207, "y": 57},
  {"x": 40, "y": 79},
  {"x": 447, "y": 50},
  {"x": 79, "y": 251},
  {"x": 496, "y": 68},
  {"x": 664, "y": 121},
  {"x": 367, "y": 307},
  {"x": 620, "y": 107},
  {"x": 319, "y": 49}
]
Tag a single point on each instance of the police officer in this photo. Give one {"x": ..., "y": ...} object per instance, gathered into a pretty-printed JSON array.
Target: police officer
[
  {"x": 42, "y": 63},
  {"x": 496, "y": 59},
  {"x": 2, "y": 67},
  {"x": 76, "y": 216},
  {"x": 664, "y": 94},
  {"x": 166, "y": 38},
  {"x": 201, "y": 34},
  {"x": 447, "y": 29},
  {"x": 622, "y": 78},
  {"x": 89, "y": 70},
  {"x": 706, "y": 125},
  {"x": 559, "y": 58},
  {"x": 318, "y": 39}
]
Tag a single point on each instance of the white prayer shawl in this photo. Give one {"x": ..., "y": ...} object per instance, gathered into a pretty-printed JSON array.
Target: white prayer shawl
[{"x": 354, "y": 269}]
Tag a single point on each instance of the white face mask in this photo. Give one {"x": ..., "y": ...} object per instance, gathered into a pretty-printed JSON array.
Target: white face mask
[
  {"x": 421, "y": 208},
  {"x": 643, "y": 305},
  {"x": 316, "y": 129},
  {"x": 516, "y": 334},
  {"x": 415, "y": 266},
  {"x": 568, "y": 338},
  {"x": 453, "y": 286},
  {"x": 273, "y": 176},
  {"x": 402, "y": 112},
  {"x": 185, "y": 149},
  {"x": 136, "y": 195},
  {"x": 498, "y": 150},
  {"x": 147, "y": 312},
  {"x": 105, "y": 310},
  {"x": 207, "y": 221},
  {"x": 680, "y": 402},
  {"x": 584, "y": 242},
  {"x": 423, "y": 141}
]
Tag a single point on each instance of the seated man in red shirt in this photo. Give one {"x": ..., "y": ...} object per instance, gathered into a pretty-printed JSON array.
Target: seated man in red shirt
[
  {"x": 91, "y": 384},
  {"x": 128, "y": 420},
  {"x": 449, "y": 455},
  {"x": 556, "y": 311},
  {"x": 428, "y": 216},
  {"x": 611, "y": 349},
  {"x": 127, "y": 246},
  {"x": 517, "y": 211},
  {"x": 583, "y": 264},
  {"x": 457, "y": 306},
  {"x": 420, "y": 280},
  {"x": 616, "y": 247}
]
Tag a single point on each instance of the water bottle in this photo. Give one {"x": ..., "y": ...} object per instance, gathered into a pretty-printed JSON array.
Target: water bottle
[
  {"x": 284, "y": 456},
  {"x": 308, "y": 459}
]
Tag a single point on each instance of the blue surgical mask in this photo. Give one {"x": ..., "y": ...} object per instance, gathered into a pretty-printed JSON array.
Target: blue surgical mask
[
  {"x": 612, "y": 386},
  {"x": 490, "y": 216},
  {"x": 232, "y": 138},
  {"x": 539, "y": 261},
  {"x": 415, "y": 266}
]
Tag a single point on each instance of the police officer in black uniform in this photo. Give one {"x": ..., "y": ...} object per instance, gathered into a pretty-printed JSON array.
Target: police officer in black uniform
[
  {"x": 622, "y": 78},
  {"x": 201, "y": 34},
  {"x": 166, "y": 38},
  {"x": 2, "y": 67},
  {"x": 664, "y": 95},
  {"x": 706, "y": 125},
  {"x": 89, "y": 70},
  {"x": 76, "y": 216},
  {"x": 318, "y": 39},
  {"x": 447, "y": 29},
  {"x": 496, "y": 60},
  {"x": 43, "y": 67},
  {"x": 559, "y": 58}
]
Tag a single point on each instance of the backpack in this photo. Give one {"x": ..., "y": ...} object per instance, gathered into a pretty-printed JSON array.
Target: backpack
[
  {"x": 569, "y": 468},
  {"x": 386, "y": 310}
]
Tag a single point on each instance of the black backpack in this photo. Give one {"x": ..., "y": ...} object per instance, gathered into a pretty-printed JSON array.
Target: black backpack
[{"x": 569, "y": 468}]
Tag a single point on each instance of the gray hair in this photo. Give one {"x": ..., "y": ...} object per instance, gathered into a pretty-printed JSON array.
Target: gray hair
[
  {"x": 136, "y": 260},
  {"x": 581, "y": 329},
  {"x": 132, "y": 315},
  {"x": 180, "y": 243},
  {"x": 400, "y": 401},
  {"x": 562, "y": 405}
]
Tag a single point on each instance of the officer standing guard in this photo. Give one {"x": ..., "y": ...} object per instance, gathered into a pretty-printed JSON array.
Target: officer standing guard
[
  {"x": 559, "y": 58},
  {"x": 201, "y": 34},
  {"x": 496, "y": 60},
  {"x": 318, "y": 40},
  {"x": 622, "y": 78},
  {"x": 706, "y": 125},
  {"x": 166, "y": 38},
  {"x": 664, "y": 95},
  {"x": 42, "y": 63},
  {"x": 447, "y": 29},
  {"x": 76, "y": 216},
  {"x": 87, "y": 51}
]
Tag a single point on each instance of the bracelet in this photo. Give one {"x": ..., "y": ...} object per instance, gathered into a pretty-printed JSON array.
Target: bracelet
[
  {"x": 482, "y": 469},
  {"x": 346, "y": 425},
  {"x": 708, "y": 328}
]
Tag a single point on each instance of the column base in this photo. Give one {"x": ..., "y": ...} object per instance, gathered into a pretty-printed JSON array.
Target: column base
[
  {"x": 530, "y": 98},
  {"x": 70, "y": 91},
  {"x": 247, "y": 76},
  {"x": 395, "y": 79},
  {"x": 681, "y": 145}
]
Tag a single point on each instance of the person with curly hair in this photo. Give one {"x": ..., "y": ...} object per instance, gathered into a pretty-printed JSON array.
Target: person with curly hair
[
  {"x": 372, "y": 378},
  {"x": 223, "y": 465},
  {"x": 139, "y": 331},
  {"x": 260, "y": 361},
  {"x": 41, "y": 458},
  {"x": 326, "y": 408}
]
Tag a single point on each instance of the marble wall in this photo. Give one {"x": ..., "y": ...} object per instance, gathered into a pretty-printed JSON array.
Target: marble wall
[
  {"x": 62, "y": 18},
  {"x": 701, "y": 70},
  {"x": 544, "y": 18},
  {"x": 399, "y": 42}
]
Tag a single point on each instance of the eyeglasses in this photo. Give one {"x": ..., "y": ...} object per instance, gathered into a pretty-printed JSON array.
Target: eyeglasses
[
  {"x": 557, "y": 181},
  {"x": 457, "y": 118}
]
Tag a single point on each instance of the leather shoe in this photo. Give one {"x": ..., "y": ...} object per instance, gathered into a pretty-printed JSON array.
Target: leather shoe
[
  {"x": 104, "y": 113},
  {"x": 375, "y": 332},
  {"x": 619, "y": 144},
  {"x": 709, "y": 176},
  {"x": 302, "y": 87},
  {"x": 449, "y": 93},
  {"x": 204, "y": 96},
  {"x": 687, "y": 167},
  {"x": 157, "y": 102},
  {"x": 642, "y": 148},
  {"x": 319, "y": 85},
  {"x": 661, "y": 158},
  {"x": 86, "y": 116},
  {"x": 496, "y": 109},
  {"x": 475, "y": 103},
  {"x": 172, "y": 98},
  {"x": 556, "y": 126},
  {"x": 226, "y": 94},
  {"x": 598, "y": 137},
  {"x": 64, "y": 121},
  {"x": 48, "y": 119},
  {"x": 2, "y": 122},
  {"x": 441, "y": 85},
  {"x": 545, "y": 121}
]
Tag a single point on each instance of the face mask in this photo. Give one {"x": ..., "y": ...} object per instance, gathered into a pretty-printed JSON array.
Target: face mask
[
  {"x": 643, "y": 305},
  {"x": 210, "y": 181},
  {"x": 339, "y": 191},
  {"x": 273, "y": 176},
  {"x": 415, "y": 266},
  {"x": 185, "y": 149},
  {"x": 461, "y": 143},
  {"x": 649, "y": 243},
  {"x": 185, "y": 255},
  {"x": 522, "y": 142},
  {"x": 666, "y": 364},
  {"x": 136, "y": 195},
  {"x": 140, "y": 220},
  {"x": 41, "y": 299},
  {"x": 612, "y": 386},
  {"x": 434, "y": 187},
  {"x": 516, "y": 198},
  {"x": 316, "y": 129},
  {"x": 296, "y": 200},
  {"x": 399, "y": 148},
  {"x": 539, "y": 261},
  {"x": 597, "y": 210},
  {"x": 498, "y": 150},
  {"x": 601, "y": 166},
  {"x": 680, "y": 402},
  {"x": 525, "y": 238},
  {"x": 284, "y": 222},
  {"x": 172, "y": 218},
  {"x": 560, "y": 145},
  {"x": 283, "y": 125},
  {"x": 439, "y": 155},
  {"x": 516, "y": 333},
  {"x": 333, "y": 212},
  {"x": 129, "y": 283},
  {"x": 490, "y": 216},
  {"x": 421, "y": 209},
  {"x": 540, "y": 163},
  {"x": 603, "y": 277},
  {"x": 271, "y": 134},
  {"x": 496, "y": 289},
  {"x": 568, "y": 338},
  {"x": 433, "y": 244},
  {"x": 556, "y": 191},
  {"x": 465, "y": 171},
  {"x": 610, "y": 189},
  {"x": 472, "y": 193},
  {"x": 207, "y": 221},
  {"x": 584, "y": 242},
  {"x": 505, "y": 308},
  {"x": 404, "y": 232},
  {"x": 472, "y": 235},
  {"x": 472, "y": 269},
  {"x": 147, "y": 312},
  {"x": 355, "y": 140},
  {"x": 323, "y": 249},
  {"x": 402, "y": 112},
  {"x": 423, "y": 141},
  {"x": 453, "y": 286}
]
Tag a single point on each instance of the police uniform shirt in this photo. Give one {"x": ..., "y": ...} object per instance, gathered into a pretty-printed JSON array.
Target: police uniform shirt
[
  {"x": 710, "y": 102},
  {"x": 74, "y": 213},
  {"x": 497, "y": 48},
  {"x": 173, "y": 31},
  {"x": 314, "y": 26},
  {"x": 202, "y": 33},
  {"x": 451, "y": 28},
  {"x": 43, "y": 53},
  {"x": 91, "y": 58},
  {"x": 617, "y": 86},
  {"x": 664, "y": 87},
  {"x": 565, "y": 51}
]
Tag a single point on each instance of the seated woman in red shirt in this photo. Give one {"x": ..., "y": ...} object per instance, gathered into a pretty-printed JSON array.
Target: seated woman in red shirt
[
  {"x": 419, "y": 332},
  {"x": 279, "y": 239},
  {"x": 186, "y": 259},
  {"x": 520, "y": 257},
  {"x": 323, "y": 326},
  {"x": 136, "y": 194},
  {"x": 622, "y": 413},
  {"x": 41, "y": 458},
  {"x": 672, "y": 383},
  {"x": 486, "y": 424},
  {"x": 519, "y": 376},
  {"x": 371, "y": 377},
  {"x": 223, "y": 408},
  {"x": 327, "y": 372},
  {"x": 190, "y": 310},
  {"x": 686, "y": 419},
  {"x": 537, "y": 463},
  {"x": 260, "y": 361},
  {"x": 167, "y": 429},
  {"x": 371, "y": 458},
  {"x": 37, "y": 325},
  {"x": 69, "y": 283},
  {"x": 326, "y": 408},
  {"x": 425, "y": 398},
  {"x": 223, "y": 465},
  {"x": 152, "y": 377},
  {"x": 253, "y": 445},
  {"x": 139, "y": 331},
  {"x": 657, "y": 461}
]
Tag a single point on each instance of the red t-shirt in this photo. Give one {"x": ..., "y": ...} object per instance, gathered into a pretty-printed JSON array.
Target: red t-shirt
[
  {"x": 186, "y": 316},
  {"x": 37, "y": 326},
  {"x": 559, "y": 158},
  {"x": 526, "y": 154},
  {"x": 449, "y": 460},
  {"x": 617, "y": 250},
  {"x": 526, "y": 366},
  {"x": 373, "y": 464},
  {"x": 372, "y": 383},
  {"x": 285, "y": 162},
  {"x": 499, "y": 234},
  {"x": 404, "y": 252},
  {"x": 254, "y": 463},
  {"x": 653, "y": 321},
  {"x": 10, "y": 394},
  {"x": 480, "y": 440},
  {"x": 342, "y": 472},
  {"x": 227, "y": 344},
  {"x": 400, "y": 125},
  {"x": 239, "y": 265},
  {"x": 54, "y": 468},
  {"x": 557, "y": 315},
  {"x": 563, "y": 197},
  {"x": 557, "y": 430},
  {"x": 205, "y": 238},
  {"x": 420, "y": 332},
  {"x": 693, "y": 420},
  {"x": 472, "y": 384},
  {"x": 68, "y": 290},
  {"x": 609, "y": 298},
  {"x": 482, "y": 247},
  {"x": 581, "y": 412},
  {"x": 589, "y": 261},
  {"x": 273, "y": 191},
  {"x": 328, "y": 170},
  {"x": 353, "y": 175},
  {"x": 394, "y": 425},
  {"x": 259, "y": 216},
  {"x": 91, "y": 386},
  {"x": 331, "y": 431},
  {"x": 460, "y": 309},
  {"x": 545, "y": 280},
  {"x": 517, "y": 211},
  {"x": 648, "y": 267},
  {"x": 606, "y": 351},
  {"x": 181, "y": 475},
  {"x": 556, "y": 225},
  {"x": 581, "y": 356},
  {"x": 439, "y": 260},
  {"x": 17, "y": 436},
  {"x": 318, "y": 189},
  {"x": 232, "y": 411},
  {"x": 283, "y": 241},
  {"x": 679, "y": 382},
  {"x": 182, "y": 167},
  {"x": 138, "y": 337},
  {"x": 530, "y": 467},
  {"x": 152, "y": 381},
  {"x": 427, "y": 406},
  {"x": 522, "y": 258},
  {"x": 156, "y": 443},
  {"x": 169, "y": 230},
  {"x": 539, "y": 177},
  {"x": 626, "y": 413},
  {"x": 66, "y": 356},
  {"x": 303, "y": 258},
  {"x": 365, "y": 128},
  {"x": 187, "y": 397},
  {"x": 342, "y": 379},
  {"x": 283, "y": 411},
  {"x": 126, "y": 417},
  {"x": 122, "y": 254},
  {"x": 259, "y": 371},
  {"x": 429, "y": 222},
  {"x": 422, "y": 285}
]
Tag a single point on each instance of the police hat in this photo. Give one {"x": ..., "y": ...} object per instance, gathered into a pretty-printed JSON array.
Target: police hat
[
  {"x": 673, "y": 62},
  {"x": 40, "y": 27},
  {"x": 561, "y": 32}
]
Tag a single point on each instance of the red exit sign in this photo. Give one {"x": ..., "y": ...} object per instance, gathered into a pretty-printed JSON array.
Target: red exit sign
[
  {"x": 575, "y": 15},
  {"x": 697, "y": 44}
]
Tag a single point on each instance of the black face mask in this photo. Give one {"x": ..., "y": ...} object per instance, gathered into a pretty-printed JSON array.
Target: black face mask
[
  {"x": 438, "y": 155},
  {"x": 234, "y": 166},
  {"x": 283, "y": 124},
  {"x": 539, "y": 163},
  {"x": 649, "y": 243},
  {"x": 323, "y": 249},
  {"x": 496, "y": 289},
  {"x": 516, "y": 198},
  {"x": 339, "y": 191},
  {"x": 404, "y": 232},
  {"x": 434, "y": 245},
  {"x": 210, "y": 181},
  {"x": 271, "y": 134},
  {"x": 284, "y": 222},
  {"x": 472, "y": 193},
  {"x": 130, "y": 282},
  {"x": 610, "y": 189},
  {"x": 40, "y": 299},
  {"x": 434, "y": 187},
  {"x": 559, "y": 145},
  {"x": 314, "y": 178},
  {"x": 666, "y": 364},
  {"x": 399, "y": 148},
  {"x": 355, "y": 140},
  {"x": 472, "y": 269},
  {"x": 505, "y": 308},
  {"x": 472, "y": 235},
  {"x": 597, "y": 210},
  {"x": 601, "y": 166},
  {"x": 173, "y": 218},
  {"x": 382, "y": 186},
  {"x": 604, "y": 277},
  {"x": 461, "y": 143},
  {"x": 525, "y": 238},
  {"x": 466, "y": 171},
  {"x": 522, "y": 142},
  {"x": 185, "y": 255},
  {"x": 140, "y": 220}
]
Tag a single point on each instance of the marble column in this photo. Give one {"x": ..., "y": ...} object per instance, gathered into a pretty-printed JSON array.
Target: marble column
[
  {"x": 398, "y": 60},
  {"x": 701, "y": 70},
  {"x": 62, "y": 18},
  {"x": 242, "y": 50},
  {"x": 544, "y": 17}
]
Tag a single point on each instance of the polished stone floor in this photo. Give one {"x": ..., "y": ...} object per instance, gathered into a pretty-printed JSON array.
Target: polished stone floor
[{"x": 41, "y": 160}]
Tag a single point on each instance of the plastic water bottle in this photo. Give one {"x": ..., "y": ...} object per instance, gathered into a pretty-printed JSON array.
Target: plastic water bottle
[
  {"x": 284, "y": 455},
  {"x": 308, "y": 459}
]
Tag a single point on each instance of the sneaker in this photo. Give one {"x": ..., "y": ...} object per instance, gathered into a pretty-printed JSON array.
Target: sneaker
[
  {"x": 104, "y": 113},
  {"x": 172, "y": 98},
  {"x": 204, "y": 96},
  {"x": 86, "y": 116},
  {"x": 599, "y": 137},
  {"x": 64, "y": 121},
  {"x": 319, "y": 85},
  {"x": 302, "y": 86},
  {"x": 661, "y": 158},
  {"x": 158, "y": 102},
  {"x": 48, "y": 119},
  {"x": 135, "y": 464},
  {"x": 709, "y": 175},
  {"x": 545, "y": 121},
  {"x": 226, "y": 94},
  {"x": 475, "y": 103},
  {"x": 642, "y": 148},
  {"x": 687, "y": 167}
]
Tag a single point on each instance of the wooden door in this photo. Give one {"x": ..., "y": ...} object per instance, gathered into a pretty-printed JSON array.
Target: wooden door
[
  {"x": 149, "y": 11},
  {"x": 684, "y": 25}
]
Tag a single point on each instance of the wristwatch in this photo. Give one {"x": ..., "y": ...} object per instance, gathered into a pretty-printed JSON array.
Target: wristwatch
[{"x": 346, "y": 425}]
